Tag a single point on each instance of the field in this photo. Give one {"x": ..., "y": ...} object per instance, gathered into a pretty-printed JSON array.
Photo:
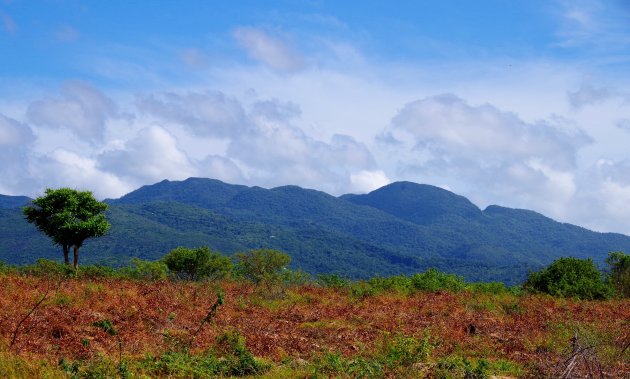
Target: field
[{"x": 108, "y": 327}]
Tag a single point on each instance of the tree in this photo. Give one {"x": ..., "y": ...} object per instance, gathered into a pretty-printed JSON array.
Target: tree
[
  {"x": 619, "y": 276},
  {"x": 68, "y": 217},
  {"x": 262, "y": 265},
  {"x": 569, "y": 277},
  {"x": 196, "y": 264}
]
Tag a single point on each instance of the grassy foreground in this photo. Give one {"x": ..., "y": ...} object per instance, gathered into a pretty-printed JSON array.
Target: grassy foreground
[{"x": 117, "y": 327}]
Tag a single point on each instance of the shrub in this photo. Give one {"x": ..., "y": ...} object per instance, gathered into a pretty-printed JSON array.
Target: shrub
[
  {"x": 239, "y": 361},
  {"x": 619, "y": 276},
  {"x": 262, "y": 265},
  {"x": 47, "y": 268},
  {"x": 569, "y": 277},
  {"x": 198, "y": 263},
  {"x": 332, "y": 281},
  {"x": 146, "y": 270},
  {"x": 434, "y": 280}
]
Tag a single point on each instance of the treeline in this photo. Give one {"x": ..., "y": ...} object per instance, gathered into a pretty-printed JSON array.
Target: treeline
[{"x": 566, "y": 277}]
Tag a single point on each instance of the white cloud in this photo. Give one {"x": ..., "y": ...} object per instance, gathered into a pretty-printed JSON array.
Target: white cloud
[
  {"x": 488, "y": 154},
  {"x": 623, "y": 124},
  {"x": 222, "y": 168},
  {"x": 151, "y": 156},
  {"x": 365, "y": 181},
  {"x": 589, "y": 95},
  {"x": 273, "y": 52},
  {"x": 82, "y": 109},
  {"x": 210, "y": 114},
  {"x": 63, "y": 168},
  {"x": 14, "y": 133},
  {"x": 16, "y": 140}
]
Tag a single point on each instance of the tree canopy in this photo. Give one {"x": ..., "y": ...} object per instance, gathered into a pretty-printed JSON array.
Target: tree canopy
[
  {"x": 68, "y": 217},
  {"x": 570, "y": 277}
]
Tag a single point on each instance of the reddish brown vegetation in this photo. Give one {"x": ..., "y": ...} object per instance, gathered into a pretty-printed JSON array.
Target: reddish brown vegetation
[{"x": 534, "y": 331}]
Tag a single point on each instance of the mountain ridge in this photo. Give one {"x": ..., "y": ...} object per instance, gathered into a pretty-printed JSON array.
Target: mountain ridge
[{"x": 403, "y": 227}]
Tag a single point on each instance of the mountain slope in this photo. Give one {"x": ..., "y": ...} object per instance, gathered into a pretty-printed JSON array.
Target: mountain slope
[
  {"x": 9, "y": 202},
  {"x": 400, "y": 228}
]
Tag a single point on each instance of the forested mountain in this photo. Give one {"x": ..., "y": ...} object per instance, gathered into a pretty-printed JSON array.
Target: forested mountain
[{"x": 401, "y": 228}]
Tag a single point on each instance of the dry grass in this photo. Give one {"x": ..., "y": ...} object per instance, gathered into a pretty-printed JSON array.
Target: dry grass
[{"x": 533, "y": 332}]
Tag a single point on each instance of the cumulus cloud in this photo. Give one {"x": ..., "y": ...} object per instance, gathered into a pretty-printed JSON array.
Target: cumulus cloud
[
  {"x": 265, "y": 144},
  {"x": 82, "y": 109},
  {"x": 273, "y": 52},
  {"x": 151, "y": 156},
  {"x": 589, "y": 95},
  {"x": 222, "y": 168},
  {"x": 16, "y": 139},
  {"x": 14, "y": 133},
  {"x": 63, "y": 168},
  {"x": 366, "y": 181},
  {"x": 209, "y": 114},
  {"x": 447, "y": 124},
  {"x": 496, "y": 154},
  {"x": 275, "y": 151},
  {"x": 623, "y": 124}
]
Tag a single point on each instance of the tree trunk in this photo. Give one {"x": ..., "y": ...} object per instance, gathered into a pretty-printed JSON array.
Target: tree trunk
[
  {"x": 66, "y": 252},
  {"x": 76, "y": 257}
]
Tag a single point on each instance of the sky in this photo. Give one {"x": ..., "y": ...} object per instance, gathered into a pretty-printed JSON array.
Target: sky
[{"x": 524, "y": 104}]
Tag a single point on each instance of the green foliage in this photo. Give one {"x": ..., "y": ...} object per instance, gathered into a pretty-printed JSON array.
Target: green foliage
[
  {"x": 106, "y": 326},
  {"x": 47, "y": 268},
  {"x": 239, "y": 361},
  {"x": 196, "y": 264},
  {"x": 334, "y": 365},
  {"x": 332, "y": 281},
  {"x": 68, "y": 217},
  {"x": 399, "y": 350},
  {"x": 433, "y": 280},
  {"x": 262, "y": 265},
  {"x": 569, "y": 277},
  {"x": 458, "y": 367},
  {"x": 146, "y": 270},
  {"x": 619, "y": 277}
]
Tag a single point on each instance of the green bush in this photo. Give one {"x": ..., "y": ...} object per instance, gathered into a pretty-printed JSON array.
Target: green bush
[
  {"x": 569, "y": 277},
  {"x": 196, "y": 264},
  {"x": 47, "y": 268},
  {"x": 96, "y": 271},
  {"x": 238, "y": 360},
  {"x": 146, "y": 270},
  {"x": 262, "y": 265},
  {"x": 619, "y": 276},
  {"x": 433, "y": 280},
  {"x": 332, "y": 281}
]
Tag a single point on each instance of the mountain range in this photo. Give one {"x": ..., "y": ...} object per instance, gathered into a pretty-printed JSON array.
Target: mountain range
[{"x": 403, "y": 227}]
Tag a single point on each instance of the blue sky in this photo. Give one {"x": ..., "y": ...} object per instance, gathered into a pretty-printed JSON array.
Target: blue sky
[{"x": 519, "y": 103}]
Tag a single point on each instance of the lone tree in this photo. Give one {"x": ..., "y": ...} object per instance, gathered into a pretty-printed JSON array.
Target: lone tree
[{"x": 68, "y": 217}]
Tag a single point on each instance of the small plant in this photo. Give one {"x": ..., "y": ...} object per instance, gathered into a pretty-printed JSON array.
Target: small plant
[
  {"x": 400, "y": 350},
  {"x": 239, "y": 361}
]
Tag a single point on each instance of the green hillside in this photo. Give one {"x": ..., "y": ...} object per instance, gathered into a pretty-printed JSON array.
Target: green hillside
[{"x": 401, "y": 228}]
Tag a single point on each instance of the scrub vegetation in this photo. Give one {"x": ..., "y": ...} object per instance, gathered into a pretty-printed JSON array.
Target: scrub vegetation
[{"x": 250, "y": 316}]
